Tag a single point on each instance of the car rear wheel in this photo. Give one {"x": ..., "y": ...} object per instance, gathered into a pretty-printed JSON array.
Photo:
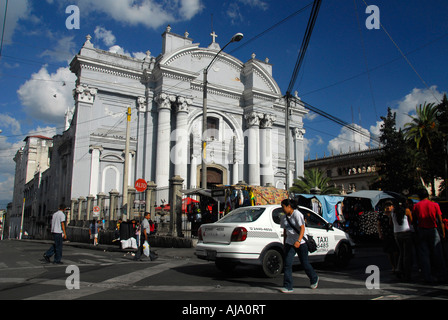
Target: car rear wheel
[{"x": 272, "y": 263}]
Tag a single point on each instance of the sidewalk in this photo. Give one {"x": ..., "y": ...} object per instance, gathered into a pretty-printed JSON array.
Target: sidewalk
[{"x": 173, "y": 253}]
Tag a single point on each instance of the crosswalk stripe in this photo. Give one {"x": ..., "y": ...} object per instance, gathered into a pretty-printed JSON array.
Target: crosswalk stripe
[
  {"x": 113, "y": 283},
  {"x": 24, "y": 263}
]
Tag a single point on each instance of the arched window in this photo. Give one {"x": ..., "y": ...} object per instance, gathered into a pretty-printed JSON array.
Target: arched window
[{"x": 213, "y": 128}]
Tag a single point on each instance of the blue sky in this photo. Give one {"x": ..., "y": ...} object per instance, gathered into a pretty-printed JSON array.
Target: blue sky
[{"x": 349, "y": 71}]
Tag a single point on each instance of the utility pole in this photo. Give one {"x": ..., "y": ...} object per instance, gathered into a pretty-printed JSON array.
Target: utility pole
[
  {"x": 236, "y": 38},
  {"x": 21, "y": 222},
  {"x": 287, "y": 134},
  {"x": 126, "y": 164}
]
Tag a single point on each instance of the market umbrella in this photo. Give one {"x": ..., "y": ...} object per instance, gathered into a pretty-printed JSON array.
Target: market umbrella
[{"x": 373, "y": 195}]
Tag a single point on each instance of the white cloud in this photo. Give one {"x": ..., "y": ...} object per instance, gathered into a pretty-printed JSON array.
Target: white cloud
[
  {"x": 150, "y": 13},
  {"x": 139, "y": 55},
  {"x": 234, "y": 9},
  {"x": 63, "y": 51},
  {"x": 17, "y": 10},
  {"x": 7, "y": 168},
  {"x": 106, "y": 35},
  {"x": 406, "y": 106},
  {"x": 189, "y": 8},
  {"x": 7, "y": 121},
  {"x": 234, "y": 13},
  {"x": 348, "y": 140},
  {"x": 49, "y": 132},
  {"x": 263, "y": 5},
  {"x": 47, "y": 96}
]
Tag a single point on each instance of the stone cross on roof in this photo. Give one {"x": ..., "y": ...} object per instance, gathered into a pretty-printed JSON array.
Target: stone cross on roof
[{"x": 214, "y": 36}]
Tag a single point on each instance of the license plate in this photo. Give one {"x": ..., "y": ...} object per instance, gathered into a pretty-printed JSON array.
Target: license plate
[{"x": 211, "y": 254}]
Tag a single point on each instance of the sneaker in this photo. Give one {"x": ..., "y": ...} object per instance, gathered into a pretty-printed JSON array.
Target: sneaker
[
  {"x": 47, "y": 259},
  {"x": 314, "y": 285},
  {"x": 285, "y": 290}
]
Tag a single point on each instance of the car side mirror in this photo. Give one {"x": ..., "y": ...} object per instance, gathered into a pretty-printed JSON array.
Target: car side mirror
[{"x": 329, "y": 226}]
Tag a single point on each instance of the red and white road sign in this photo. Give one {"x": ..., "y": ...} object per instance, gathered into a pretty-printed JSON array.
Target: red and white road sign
[
  {"x": 140, "y": 185},
  {"x": 96, "y": 209}
]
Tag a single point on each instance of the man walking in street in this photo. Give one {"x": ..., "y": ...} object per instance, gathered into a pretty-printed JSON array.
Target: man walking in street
[
  {"x": 144, "y": 235},
  {"x": 58, "y": 232},
  {"x": 428, "y": 216}
]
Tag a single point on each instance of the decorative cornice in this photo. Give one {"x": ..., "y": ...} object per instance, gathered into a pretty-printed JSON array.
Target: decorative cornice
[
  {"x": 222, "y": 91},
  {"x": 110, "y": 69}
]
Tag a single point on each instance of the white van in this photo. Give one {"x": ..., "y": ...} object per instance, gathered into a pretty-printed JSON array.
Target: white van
[{"x": 252, "y": 235}]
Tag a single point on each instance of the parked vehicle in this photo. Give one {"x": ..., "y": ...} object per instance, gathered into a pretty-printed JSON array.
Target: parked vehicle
[{"x": 252, "y": 235}]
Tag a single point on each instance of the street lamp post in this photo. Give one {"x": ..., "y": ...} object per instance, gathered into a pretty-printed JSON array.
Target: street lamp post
[{"x": 236, "y": 38}]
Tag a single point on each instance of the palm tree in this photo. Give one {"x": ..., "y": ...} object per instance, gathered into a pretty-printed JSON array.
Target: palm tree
[
  {"x": 423, "y": 130},
  {"x": 312, "y": 179},
  {"x": 423, "y": 127}
]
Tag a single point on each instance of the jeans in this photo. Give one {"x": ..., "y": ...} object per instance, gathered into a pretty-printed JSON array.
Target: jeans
[
  {"x": 431, "y": 251},
  {"x": 139, "y": 252},
  {"x": 56, "y": 248},
  {"x": 302, "y": 253},
  {"x": 405, "y": 244}
]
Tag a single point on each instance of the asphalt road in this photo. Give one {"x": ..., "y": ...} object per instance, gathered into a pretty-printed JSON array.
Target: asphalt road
[{"x": 177, "y": 275}]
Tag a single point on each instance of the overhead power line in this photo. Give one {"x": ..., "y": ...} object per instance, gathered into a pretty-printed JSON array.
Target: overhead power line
[
  {"x": 4, "y": 25},
  {"x": 337, "y": 120},
  {"x": 305, "y": 42}
]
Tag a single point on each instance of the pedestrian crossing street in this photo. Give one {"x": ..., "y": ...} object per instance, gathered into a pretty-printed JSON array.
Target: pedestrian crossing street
[{"x": 128, "y": 281}]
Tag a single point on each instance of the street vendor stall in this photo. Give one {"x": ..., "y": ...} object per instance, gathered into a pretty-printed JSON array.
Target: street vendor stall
[
  {"x": 246, "y": 195},
  {"x": 328, "y": 205}
]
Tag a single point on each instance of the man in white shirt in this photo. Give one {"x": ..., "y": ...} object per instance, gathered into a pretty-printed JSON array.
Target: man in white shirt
[
  {"x": 144, "y": 236},
  {"x": 58, "y": 232}
]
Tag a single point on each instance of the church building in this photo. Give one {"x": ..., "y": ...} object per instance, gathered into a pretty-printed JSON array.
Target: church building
[
  {"x": 245, "y": 122},
  {"x": 245, "y": 119}
]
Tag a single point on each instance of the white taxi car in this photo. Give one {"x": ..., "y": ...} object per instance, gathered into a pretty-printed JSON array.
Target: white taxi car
[{"x": 252, "y": 235}]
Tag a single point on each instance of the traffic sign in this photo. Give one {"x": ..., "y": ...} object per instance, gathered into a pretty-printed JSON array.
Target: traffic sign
[
  {"x": 140, "y": 185},
  {"x": 96, "y": 209}
]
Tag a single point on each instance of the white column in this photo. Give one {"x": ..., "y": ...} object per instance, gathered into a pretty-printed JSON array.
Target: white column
[
  {"x": 299, "y": 152},
  {"x": 179, "y": 154},
  {"x": 140, "y": 161},
  {"x": 131, "y": 163},
  {"x": 194, "y": 171},
  {"x": 94, "y": 169},
  {"x": 253, "y": 147},
  {"x": 266, "y": 161},
  {"x": 235, "y": 172},
  {"x": 163, "y": 139},
  {"x": 236, "y": 161}
]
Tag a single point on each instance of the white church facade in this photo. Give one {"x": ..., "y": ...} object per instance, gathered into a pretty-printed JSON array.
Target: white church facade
[{"x": 245, "y": 122}]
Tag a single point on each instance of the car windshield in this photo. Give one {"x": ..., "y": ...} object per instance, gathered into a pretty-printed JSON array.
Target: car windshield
[{"x": 246, "y": 214}]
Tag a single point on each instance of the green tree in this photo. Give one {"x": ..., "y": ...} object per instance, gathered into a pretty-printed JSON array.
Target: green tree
[
  {"x": 313, "y": 178},
  {"x": 396, "y": 169},
  {"x": 442, "y": 117},
  {"x": 423, "y": 127},
  {"x": 423, "y": 130}
]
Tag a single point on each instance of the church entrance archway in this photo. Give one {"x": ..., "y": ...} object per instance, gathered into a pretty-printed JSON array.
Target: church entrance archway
[{"x": 216, "y": 175}]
